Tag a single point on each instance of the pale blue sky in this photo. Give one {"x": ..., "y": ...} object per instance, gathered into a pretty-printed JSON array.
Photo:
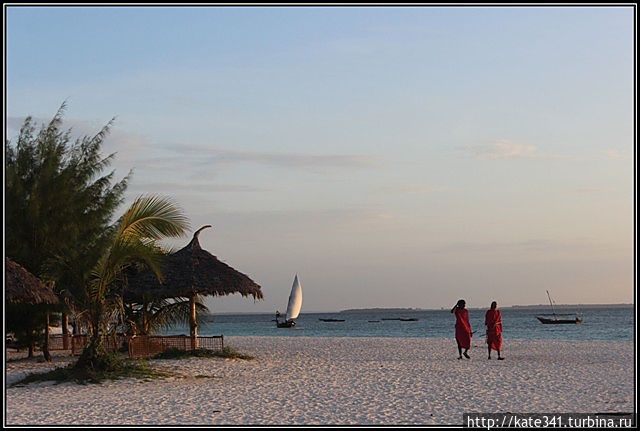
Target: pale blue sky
[{"x": 392, "y": 157}]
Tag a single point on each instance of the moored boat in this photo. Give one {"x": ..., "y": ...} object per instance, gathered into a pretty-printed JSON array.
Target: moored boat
[{"x": 558, "y": 319}]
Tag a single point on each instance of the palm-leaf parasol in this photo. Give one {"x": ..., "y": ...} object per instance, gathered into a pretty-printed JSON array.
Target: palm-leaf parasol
[
  {"x": 22, "y": 287},
  {"x": 189, "y": 272}
]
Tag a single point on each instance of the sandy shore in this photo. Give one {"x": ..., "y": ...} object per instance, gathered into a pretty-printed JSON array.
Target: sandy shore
[{"x": 300, "y": 380}]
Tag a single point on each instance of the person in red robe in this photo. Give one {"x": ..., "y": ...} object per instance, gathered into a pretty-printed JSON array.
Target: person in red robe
[
  {"x": 493, "y": 322},
  {"x": 463, "y": 328}
]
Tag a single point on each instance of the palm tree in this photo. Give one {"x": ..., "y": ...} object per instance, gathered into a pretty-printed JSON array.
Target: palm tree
[
  {"x": 58, "y": 204},
  {"x": 134, "y": 241}
]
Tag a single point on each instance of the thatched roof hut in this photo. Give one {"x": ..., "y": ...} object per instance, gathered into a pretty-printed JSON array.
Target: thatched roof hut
[
  {"x": 193, "y": 271},
  {"x": 22, "y": 287}
]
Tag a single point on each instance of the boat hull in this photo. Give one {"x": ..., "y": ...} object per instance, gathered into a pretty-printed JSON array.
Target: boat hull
[
  {"x": 547, "y": 321},
  {"x": 286, "y": 324}
]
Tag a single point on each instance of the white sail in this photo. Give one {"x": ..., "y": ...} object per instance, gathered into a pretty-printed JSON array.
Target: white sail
[{"x": 295, "y": 300}]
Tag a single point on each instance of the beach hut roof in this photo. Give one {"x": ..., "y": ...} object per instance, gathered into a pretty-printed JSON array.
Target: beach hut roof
[
  {"x": 193, "y": 270},
  {"x": 22, "y": 287}
]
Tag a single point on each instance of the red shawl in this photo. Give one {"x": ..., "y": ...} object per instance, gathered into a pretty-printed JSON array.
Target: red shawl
[
  {"x": 493, "y": 320},
  {"x": 463, "y": 328}
]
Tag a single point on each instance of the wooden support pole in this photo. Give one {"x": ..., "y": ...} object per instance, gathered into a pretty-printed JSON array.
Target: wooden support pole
[
  {"x": 45, "y": 346},
  {"x": 65, "y": 331},
  {"x": 193, "y": 322}
]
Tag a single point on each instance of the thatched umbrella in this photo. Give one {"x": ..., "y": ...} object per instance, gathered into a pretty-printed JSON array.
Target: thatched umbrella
[
  {"x": 193, "y": 271},
  {"x": 22, "y": 287}
]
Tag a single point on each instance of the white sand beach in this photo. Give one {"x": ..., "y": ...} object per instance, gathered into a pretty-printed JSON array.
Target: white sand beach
[{"x": 303, "y": 380}]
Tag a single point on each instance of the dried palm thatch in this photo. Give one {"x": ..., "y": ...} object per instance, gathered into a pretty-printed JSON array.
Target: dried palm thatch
[
  {"x": 190, "y": 272},
  {"x": 22, "y": 287},
  {"x": 193, "y": 271}
]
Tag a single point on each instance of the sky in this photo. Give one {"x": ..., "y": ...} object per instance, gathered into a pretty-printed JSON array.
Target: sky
[{"x": 391, "y": 157}]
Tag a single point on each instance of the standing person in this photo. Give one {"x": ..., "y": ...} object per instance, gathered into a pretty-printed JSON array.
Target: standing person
[
  {"x": 463, "y": 328},
  {"x": 493, "y": 321}
]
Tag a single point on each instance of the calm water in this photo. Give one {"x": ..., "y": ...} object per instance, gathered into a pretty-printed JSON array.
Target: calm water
[{"x": 599, "y": 324}]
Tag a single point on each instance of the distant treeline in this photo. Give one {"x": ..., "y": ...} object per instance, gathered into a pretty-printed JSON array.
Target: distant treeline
[{"x": 574, "y": 306}]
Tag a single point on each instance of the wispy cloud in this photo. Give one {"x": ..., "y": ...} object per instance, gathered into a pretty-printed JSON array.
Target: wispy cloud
[
  {"x": 299, "y": 160},
  {"x": 588, "y": 190},
  {"x": 612, "y": 154},
  {"x": 416, "y": 189},
  {"x": 197, "y": 187},
  {"x": 302, "y": 221},
  {"x": 294, "y": 159},
  {"x": 130, "y": 146},
  {"x": 540, "y": 247},
  {"x": 118, "y": 139},
  {"x": 507, "y": 150}
]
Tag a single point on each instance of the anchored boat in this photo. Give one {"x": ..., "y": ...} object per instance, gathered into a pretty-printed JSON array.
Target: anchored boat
[{"x": 555, "y": 318}]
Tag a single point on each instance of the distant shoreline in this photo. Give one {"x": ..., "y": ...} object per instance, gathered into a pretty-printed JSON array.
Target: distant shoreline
[
  {"x": 384, "y": 310},
  {"x": 575, "y": 306},
  {"x": 537, "y": 306}
]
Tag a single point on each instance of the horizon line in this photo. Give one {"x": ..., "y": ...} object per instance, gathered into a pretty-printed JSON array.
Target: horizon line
[{"x": 630, "y": 304}]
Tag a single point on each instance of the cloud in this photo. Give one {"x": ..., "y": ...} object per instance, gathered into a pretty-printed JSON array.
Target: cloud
[
  {"x": 298, "y": 160},
  {"x": 295, "y": 159},
  {"x": 539, "y": 247},
  {"x": 196, "y": 187},
  {"x": 612, "y": 154},
  {"x": 302, "y": 222},
  {"x": 505, "y": 149},
  {"x": 588, "y": 190},
  {"x": 128, "y": 145},
  {"x": 118, "y": 140},
  {"x": 416, "y": 189}
]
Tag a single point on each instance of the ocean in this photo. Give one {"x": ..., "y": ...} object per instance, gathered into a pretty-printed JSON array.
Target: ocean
[{"x": 615, "y": 323}]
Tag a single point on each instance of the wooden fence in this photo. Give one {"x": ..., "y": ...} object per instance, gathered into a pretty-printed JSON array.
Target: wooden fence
[
  {"x": 144, "y": 346},
  {"x": 76, "y": 343}
]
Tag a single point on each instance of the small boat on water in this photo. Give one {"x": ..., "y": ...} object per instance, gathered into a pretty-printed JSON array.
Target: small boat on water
[
  {"x": 293, "y": 307},
  {"x": 332, "y": 320},
  {"x": 558, "y": 319},
  {"x": 409, "y": 319}
]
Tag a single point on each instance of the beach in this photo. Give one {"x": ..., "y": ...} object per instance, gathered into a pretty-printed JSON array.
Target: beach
[{"x": 340, "y": 380}]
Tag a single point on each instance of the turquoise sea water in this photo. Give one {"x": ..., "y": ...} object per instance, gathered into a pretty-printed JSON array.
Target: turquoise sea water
[{"x": 519, "y": 324}]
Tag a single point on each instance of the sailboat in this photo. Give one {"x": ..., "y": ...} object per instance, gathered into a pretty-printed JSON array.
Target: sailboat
[
  {"x": 293, "y": 307},
  {"x": 556, "y": 318}
]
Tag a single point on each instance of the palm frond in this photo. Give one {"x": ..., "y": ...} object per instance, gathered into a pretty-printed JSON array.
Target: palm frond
[{"x": 153, "y": 217}]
